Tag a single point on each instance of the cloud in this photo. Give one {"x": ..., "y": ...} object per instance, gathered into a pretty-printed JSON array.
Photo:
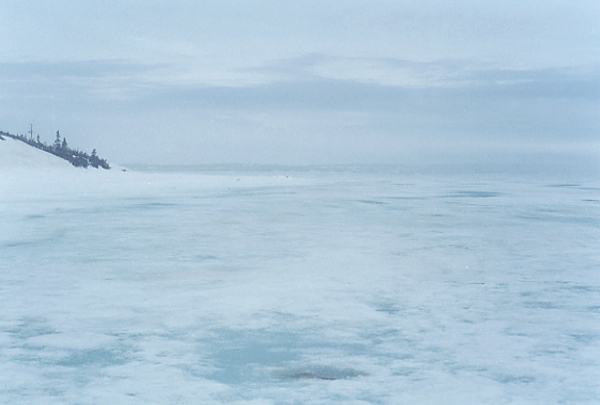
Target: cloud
[
  {"x": 84, "y": 82},
  {"x": 456, "y": 90},
  {"x": 304, "y": 103},
  {"x": 89, "y": 69}
]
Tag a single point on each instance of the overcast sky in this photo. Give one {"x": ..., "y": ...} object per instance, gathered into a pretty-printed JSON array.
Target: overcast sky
[{"x": 303, "y": 82}]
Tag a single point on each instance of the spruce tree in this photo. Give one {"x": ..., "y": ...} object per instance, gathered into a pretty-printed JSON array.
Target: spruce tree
[{"x": 57, "y": 141}]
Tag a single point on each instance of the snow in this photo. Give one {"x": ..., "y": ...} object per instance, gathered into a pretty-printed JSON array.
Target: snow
[
  {"x": 296, "y": 287},
  {"x": 17, "y": 154}
]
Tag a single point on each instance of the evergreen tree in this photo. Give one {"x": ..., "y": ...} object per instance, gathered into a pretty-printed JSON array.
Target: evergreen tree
[
  {"x": 57, "y": 140},
  {"x": 62, "y": 150},
  {"x": 94, "y": 161}
]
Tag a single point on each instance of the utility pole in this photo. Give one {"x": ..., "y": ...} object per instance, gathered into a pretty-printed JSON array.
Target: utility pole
[{"x": 31, "y": 131}]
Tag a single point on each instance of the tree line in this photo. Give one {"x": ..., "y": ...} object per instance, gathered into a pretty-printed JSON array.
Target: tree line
[{"x": 61, "y": 149}]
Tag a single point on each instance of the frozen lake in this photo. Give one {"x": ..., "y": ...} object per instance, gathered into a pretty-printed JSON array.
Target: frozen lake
[{"x": 290, "y": 287}]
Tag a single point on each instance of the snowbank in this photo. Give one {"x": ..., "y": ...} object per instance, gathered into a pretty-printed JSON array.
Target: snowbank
[
  {"x": 16, "y": 154},
  {"x": 27, "y": 172}
]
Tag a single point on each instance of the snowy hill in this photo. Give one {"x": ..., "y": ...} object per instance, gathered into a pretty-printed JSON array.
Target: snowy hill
[
  {"x": 27, "y": 172},
  {"x": 16, "y": 154}
]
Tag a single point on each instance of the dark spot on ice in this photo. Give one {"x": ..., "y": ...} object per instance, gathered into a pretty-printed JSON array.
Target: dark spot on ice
[
  {"x": 203, "y": 258},
  {"x": 586, "y": 337},
  {"x": 322, "y": 373},
  {"x": 475, "y": 194},
  {"x": 32, "y": 327},
  {"x": 94, "y": 357},
  {"x": 35, "y": 216},
  {"x": 540, "y": 305},
  {"x": 308, "y": 374},
  {"x": 13, "y": 244},
  {"x": 371, "y": 202},
  {"x": 387, "y": 307},
  {"x": 561, "y": 185},
  {"x": 514, "y": 379}
]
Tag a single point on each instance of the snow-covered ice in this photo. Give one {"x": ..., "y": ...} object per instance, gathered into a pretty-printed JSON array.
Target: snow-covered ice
[{"x": 297, "y": 287}]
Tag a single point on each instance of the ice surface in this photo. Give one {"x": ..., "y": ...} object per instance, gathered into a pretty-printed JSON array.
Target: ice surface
[{"x": 297, "y": 287}]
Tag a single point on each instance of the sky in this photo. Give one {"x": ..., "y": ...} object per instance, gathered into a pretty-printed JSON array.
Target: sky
[{"x": 310, "y": 82}]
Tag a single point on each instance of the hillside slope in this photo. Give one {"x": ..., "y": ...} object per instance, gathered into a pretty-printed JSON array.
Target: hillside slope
[{"x": 16, "y": 154}]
